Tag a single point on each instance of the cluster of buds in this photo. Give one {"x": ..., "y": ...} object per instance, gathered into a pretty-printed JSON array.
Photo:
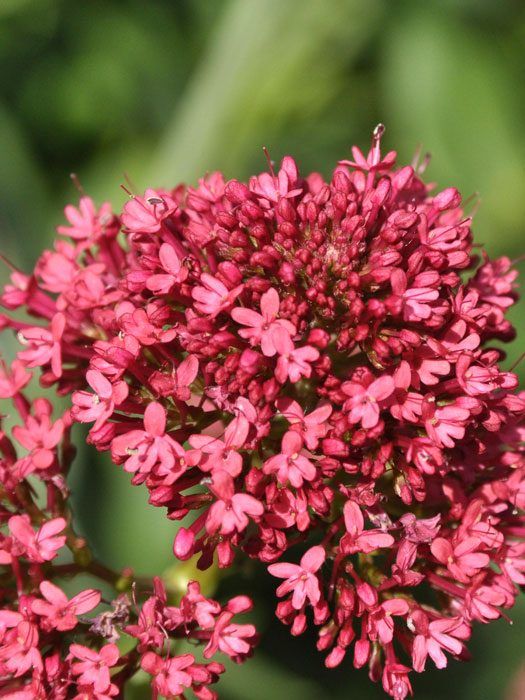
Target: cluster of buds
[{"x": 293, "y": 361}]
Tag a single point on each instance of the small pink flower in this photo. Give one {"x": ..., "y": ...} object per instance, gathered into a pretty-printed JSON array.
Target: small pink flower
[
  {"x": 99, "y": 406},
  {"x": 143, "y": 450},
  {"x": 462, "y": 559},
  {"x": 311, "y": 426},
  {"x": 446, "y": 424},
  {"x": 40, "y": 435},
  {"x": 93, "y": 666},
  {"x": 60, "y": 613},
  {"x": 11, "y": 382},
  {"x": 380, "y": 622},
  {"x": 170, "y": 675},
  {"x": 433, "y": 639},
  {"x": 229, "y": 513},
  {"x": 173, "y": 274},
  {"x": 260, "y": 326},
  {"x": 291, "y": 465},
  {"x": 222, "y": 454},
  {"x": 301, "y": 578},
  {"x": 293, "y": 363},
  {"x": 363, "y": 404},
  {"x": 214, "y": 297},
  {"x": 19, "y": 651},
  {"x": 416, "y": 300},
  {"x": 357, "y": 539},
  {"x": 44, "y": 345},
  {"x": 146, "y": 214},
  {"x": 233, "y": 639},
  {"x": 41, "y": 545},
  {"x": 85, "y": 222}
]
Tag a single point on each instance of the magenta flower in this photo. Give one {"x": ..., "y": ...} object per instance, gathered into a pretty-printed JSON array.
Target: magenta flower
[
  {"x": 363, "y": 404},
  {"x": 380, "y": 622},
  {"x": 39, "y": 546},
  {"x": 150, "y": 449},
  {"x": 92, "y": 667},
  {"x": 293, "y": 363},
  {"x": 40, "y": 435},
  {"x": 357, "y": 539},
  {"x": 99, "y": 406},
  {"x": 288, "y": 360},
  {"x": 301, "y": 579},
  {"x": 60, "y": 613},
  {"x": 171, "y": 677},
  {"x": 463, "y": 559},
  {"x": 291, "y": 464},
  {"x": 434, "y": 638},
  {"x": 44, "y": 346},
  {"x": 86, "y": 222},
  {"x": 147, "y": 213},
  {"x": 214, "y": 297},
  {"x": 311, "y": 426},
  {"x": 11, "y": 382},
  {"x": 230, "y": 511},
  {"x": 232, "y": 639},
  {"x": 173, "y": 272},
  {"x": 260, "y": 326}
]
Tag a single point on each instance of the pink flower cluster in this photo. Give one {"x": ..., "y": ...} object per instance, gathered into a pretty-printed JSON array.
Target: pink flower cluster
[
  {"x": 293, "y": 360},
  {"x": 49, "y": 649}
]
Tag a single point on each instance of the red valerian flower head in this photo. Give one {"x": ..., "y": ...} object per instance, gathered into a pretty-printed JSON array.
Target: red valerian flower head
[{"x": 289, "y": 362}]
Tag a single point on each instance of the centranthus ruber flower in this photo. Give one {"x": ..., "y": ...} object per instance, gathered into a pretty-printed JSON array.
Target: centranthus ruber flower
[
  {"x": 307, "y": 372},
  {"x": 363, "y": 404},
  {"x": 38, "y": 546},
  {"x": 291, "y": 464},
  {"x": 230, "y": 511},
  {"x": 60, "y": 613},
  {"x": 260, "y": 326},
  {"x": 301, "y": 579}
]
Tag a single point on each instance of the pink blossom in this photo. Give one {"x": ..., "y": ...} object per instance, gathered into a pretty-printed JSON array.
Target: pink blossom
[
  {"x": 146, "y": 214},
  {"x": 311, "y": 426},
  {"x": 173, "y": 272},
  {"x": 380, "y": 622},
  {"x": 260, "y": 326},
  {"x": 433, "y": 639},
  {"x": 301, "y": 579},
  {"x": 233, "y": 639},
  {"x": 463, "y": 560},
  {"x": 40, "y": 435},
  {"x": 11, "y": 382},
  {"x": 293, "y": 363},
  {"x": 86, "y": 222},
  {"x": 214, "y": 297},
  {"x": 93, "y": 666},
  {"x": 143, "y": 450},
  {"x": 416, "y": 300},
  {"x": 229, "y": 513},
  {"x": 357, "y": 539},
  {"x": 99, "y": 406},
  {"x": 291, "y": 464},
  {"x": 44, "y": 346},
  {"x": 60, "y": 613},
  {"x": 171, "y": 677},
  {"x": 447, "y": 424},
  {"x": 363, "y": 404},
  {"x": 41, "y": 545}
]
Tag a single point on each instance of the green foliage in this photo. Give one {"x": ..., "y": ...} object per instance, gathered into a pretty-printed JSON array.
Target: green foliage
[{"x": 163, "y": 91}]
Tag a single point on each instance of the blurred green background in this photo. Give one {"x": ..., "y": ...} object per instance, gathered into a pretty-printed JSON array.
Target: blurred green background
[{"x": 165, "y": 90}]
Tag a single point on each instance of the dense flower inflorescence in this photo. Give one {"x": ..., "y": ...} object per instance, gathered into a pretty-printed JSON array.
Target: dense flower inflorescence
[{"x": 296, "y": 361}]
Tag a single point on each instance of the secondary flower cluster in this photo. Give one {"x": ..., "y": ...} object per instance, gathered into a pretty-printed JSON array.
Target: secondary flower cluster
[
  {"x": 296, "y": 361},
  {"x": 49, "y": 649}
]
